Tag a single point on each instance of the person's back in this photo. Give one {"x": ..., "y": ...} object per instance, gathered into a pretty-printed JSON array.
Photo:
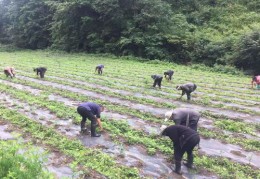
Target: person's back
[
  {"x": 157, "y": 80},
  {"x": 187, "y": 88},
  {"x": 186, "y": 117},
  {"x": 93, "y": 107},
  {"x": 175, "y": 132},
  {"x": 168, "y": 74},
  {"x": 190, "y": 87}
]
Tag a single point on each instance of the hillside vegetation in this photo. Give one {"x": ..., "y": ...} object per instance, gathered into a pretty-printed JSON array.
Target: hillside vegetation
[{"x": 212, "y": 32}]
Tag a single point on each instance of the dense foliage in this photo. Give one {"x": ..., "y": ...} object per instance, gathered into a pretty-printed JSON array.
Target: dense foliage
[{"x": 213, "y": 32}]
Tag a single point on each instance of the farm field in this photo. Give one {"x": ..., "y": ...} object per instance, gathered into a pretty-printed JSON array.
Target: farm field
[{"x": 130, "y": 147}]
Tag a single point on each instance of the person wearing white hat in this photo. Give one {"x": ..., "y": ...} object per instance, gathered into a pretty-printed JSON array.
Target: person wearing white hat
[
  {"x": 184, "y": 140},
  {"x": 184, "y": 116}
]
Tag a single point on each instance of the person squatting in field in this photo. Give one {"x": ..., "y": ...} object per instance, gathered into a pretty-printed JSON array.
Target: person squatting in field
[
  {"x": 9, "y": 71},
  {"x": 184, "y": 116},
  {"x": 99, "y": 68},
  {"x": 41, "y": 71},
  {"x": 168, "y": 74},
  {"x": 256, "y": 82},
  {"x": 184, "y": 140},
  {"x": 91, "y": 111},
  {"x": 157, "y": 80},
  {"x": 187, "y": 89}
]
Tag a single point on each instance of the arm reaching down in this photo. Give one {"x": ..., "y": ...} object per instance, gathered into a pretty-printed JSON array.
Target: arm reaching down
[{"x": 99, "y": 124}]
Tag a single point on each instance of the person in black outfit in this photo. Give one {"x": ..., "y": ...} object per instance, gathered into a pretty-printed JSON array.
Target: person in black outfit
[
  {"x": 187, "y": 89},
  {"x": 157, "y": 80},
  {"x": 41, "y": 71},
  {"x": 91, "y": 111},
  {"x": 168, "y": 74},
  {"x": 184, "y": 140}
]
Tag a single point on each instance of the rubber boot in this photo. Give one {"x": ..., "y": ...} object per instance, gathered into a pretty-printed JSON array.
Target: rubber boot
[
  {"x": 93, "y": 130},
  {"x": 178, "y": 167},
  {"x": 83, "y": 130},
  {"x": 189, "y": 164}
]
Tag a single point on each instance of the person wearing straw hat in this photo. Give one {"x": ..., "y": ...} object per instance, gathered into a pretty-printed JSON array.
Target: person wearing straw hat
[
  {"x": 184, "y": 140},
  {"x": 184, "y": 116}
]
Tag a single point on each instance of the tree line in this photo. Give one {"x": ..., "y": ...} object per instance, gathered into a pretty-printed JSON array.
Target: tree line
[{"x": 212, "y": 32}]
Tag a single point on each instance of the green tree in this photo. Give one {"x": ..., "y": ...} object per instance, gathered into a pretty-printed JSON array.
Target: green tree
[{"x": 248, "y": 52}]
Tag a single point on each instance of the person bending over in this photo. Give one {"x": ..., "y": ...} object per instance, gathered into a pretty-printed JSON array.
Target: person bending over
[
  {"x": 187, "y": 89},
  {"x": 157, "y": 80},
  {"x": 168, "y": 74},
  {"x": 184, "y": 140},
  {"x": 91, "y": 111},
  {"x": 99, "y": 68},
  {"x": 41, "y": 71}
]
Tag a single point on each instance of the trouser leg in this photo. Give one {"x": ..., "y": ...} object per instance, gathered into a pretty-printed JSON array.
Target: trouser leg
[
  {"x": 189, "y": 149},
  {"x": 83, "y": 123},
  {"x": 41, "y": 74},
  {"x": 159, "y": 82},
  {"x": 154, "y": 83},
  {"x": 188, "y": 96},
  {"x": 178, "y": 154}
]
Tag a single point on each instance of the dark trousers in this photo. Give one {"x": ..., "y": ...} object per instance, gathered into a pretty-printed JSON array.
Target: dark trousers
[
  {"x": 85, "y": 113},
  {"x": 188, "y": 147},
  {"x": 158, "y": 82},
  {"x": 99, "y": 70},
  {"x": 188, "y": 95}
]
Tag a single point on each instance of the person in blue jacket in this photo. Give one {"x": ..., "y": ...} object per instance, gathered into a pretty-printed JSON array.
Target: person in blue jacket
[
  {"x": 99, "y": 68},
  {"x": 91, "y": 111}
]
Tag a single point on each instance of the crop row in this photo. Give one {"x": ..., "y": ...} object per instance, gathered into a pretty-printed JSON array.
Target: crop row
[
  {"x": 121, "y": 128},
  {"x": 118, "y": 132},
  {"x": 75, "y": 66},
  {"x": 240, "y": 126},
  {"x": 121, "y": 70},
  {"x": 247, "y": 143}
]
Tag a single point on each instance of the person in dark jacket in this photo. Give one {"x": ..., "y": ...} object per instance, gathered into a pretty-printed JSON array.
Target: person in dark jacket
[
  {"x": 157, "y": 80},
  {"x": 91, "y": 111},
  {"x": 184, "y": 116},
  {"x": 9, "y": 71},
  {"x": 184, "y": 140},
  {"x": 168, "y": 74},
  {"x": 99, "y": 68},
  {"x": 187, "y": 89},
  {"x": 41, "y": 71}
]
